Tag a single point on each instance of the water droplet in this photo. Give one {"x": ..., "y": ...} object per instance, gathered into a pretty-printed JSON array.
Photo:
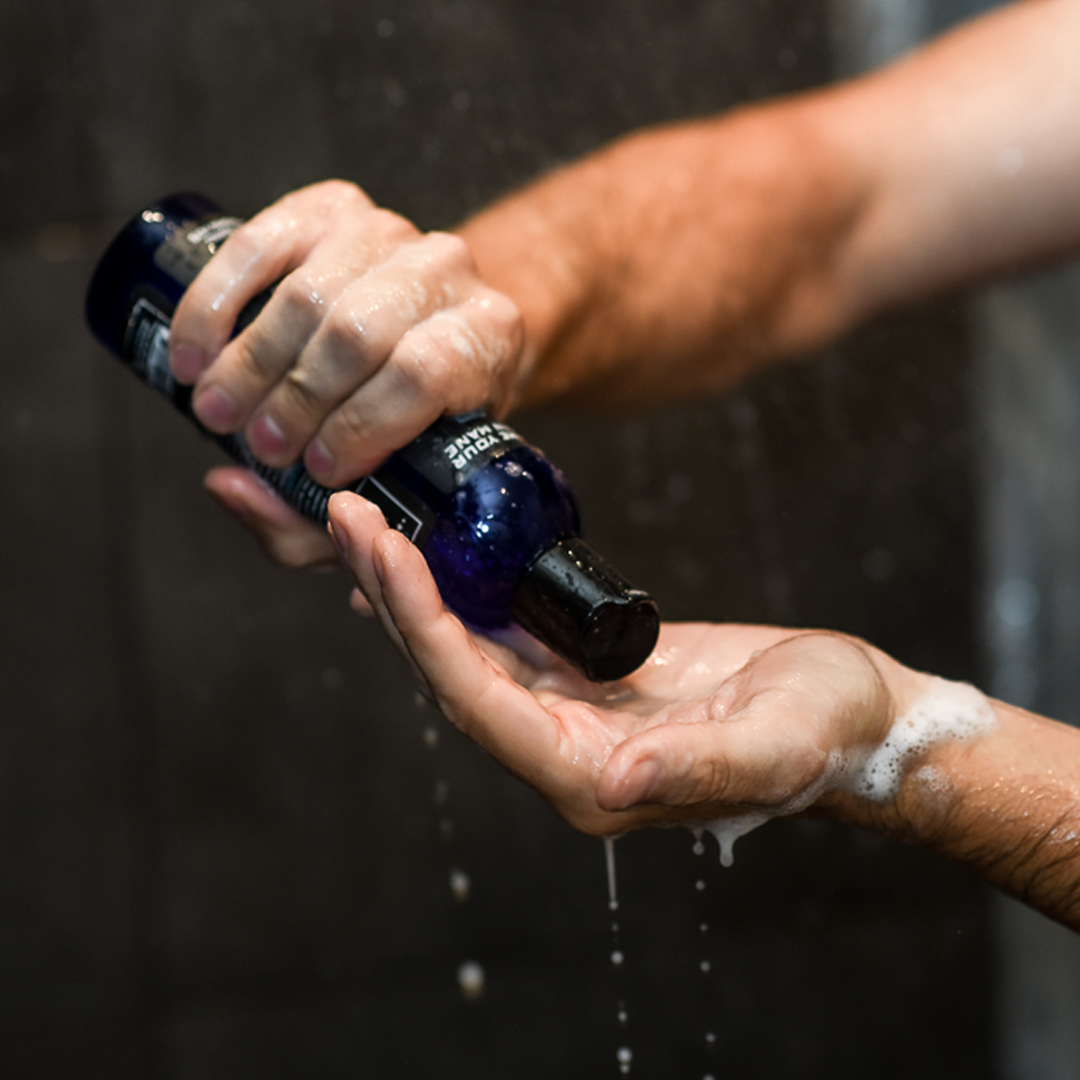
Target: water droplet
[
  {"x": 441, "y": 793},
  {"x": 704, "y": 927},
  {"x": 625, "y": 1056},
  {"x": 431, "y": 737},
  {"x": 617, "y": 957},
  {"x": 699, "y": 848},
  {"x": 699, "y": 885},
  {"x": 460, "y": 885},
  {"x": 706, "y": 967},
  {"x": 471, "y": 979},
  {"x": 710, "y": 1037}
]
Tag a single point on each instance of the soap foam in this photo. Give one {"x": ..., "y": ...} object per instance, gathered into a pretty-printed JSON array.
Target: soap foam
[
  {"x": 728, "y": 829},
  {"x": 948, "y": 712}
]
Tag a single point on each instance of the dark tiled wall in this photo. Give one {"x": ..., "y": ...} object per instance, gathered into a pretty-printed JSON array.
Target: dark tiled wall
[{"x": 224, "y": 845}]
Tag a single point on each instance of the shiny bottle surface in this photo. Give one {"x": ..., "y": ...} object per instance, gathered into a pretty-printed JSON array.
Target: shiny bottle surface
[{"x": 495, "y": 520}]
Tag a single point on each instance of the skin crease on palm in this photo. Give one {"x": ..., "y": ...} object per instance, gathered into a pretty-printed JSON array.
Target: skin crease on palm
[{"x": 714, "y": 723}]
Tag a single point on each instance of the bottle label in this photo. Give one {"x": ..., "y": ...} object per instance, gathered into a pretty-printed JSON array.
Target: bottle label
[
  {"x": 401, "y": 508},
  {"x": 186, "y": 251},
  {"x": 146, "y": 349},
  {"x": 455, "y": 447}
]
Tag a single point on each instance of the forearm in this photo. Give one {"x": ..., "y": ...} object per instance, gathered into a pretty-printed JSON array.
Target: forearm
[
  {"x": 1005, "y": 803},
  {"x": 677, "y": 258},
  {"x": 682, "y": 257},
  {"x": 973, "y": 144}
]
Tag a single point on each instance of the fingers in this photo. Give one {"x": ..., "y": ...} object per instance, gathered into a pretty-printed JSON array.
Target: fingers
[
  {"x": 287, "y": 538},
  {"x": 259, "y": 253},
  {"x": 455, "y": 360},
  {"x": 357, "y": 252},
  {"x": 373, "y": 331}
]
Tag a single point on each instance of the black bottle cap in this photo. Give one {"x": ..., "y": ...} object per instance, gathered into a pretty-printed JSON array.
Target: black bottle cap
[{"x": 586, "y": 611}]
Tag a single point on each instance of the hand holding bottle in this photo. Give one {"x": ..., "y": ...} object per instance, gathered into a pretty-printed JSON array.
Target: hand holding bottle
[
  {"x": 374, "y": 331},
  {"x": 496, "y": 521}
]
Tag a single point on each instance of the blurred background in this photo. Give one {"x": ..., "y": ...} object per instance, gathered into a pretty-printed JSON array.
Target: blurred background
[{"x": 234, "y": 844}]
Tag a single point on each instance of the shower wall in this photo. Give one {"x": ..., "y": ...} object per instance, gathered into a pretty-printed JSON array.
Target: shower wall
[{"x": 227, "y": 825}]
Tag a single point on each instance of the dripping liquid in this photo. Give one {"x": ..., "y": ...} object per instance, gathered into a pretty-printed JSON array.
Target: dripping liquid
[{"x": 624, "y": 1055}]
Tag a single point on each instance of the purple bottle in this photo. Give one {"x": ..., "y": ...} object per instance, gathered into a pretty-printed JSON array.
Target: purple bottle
[{"x": 495, "y": 520}]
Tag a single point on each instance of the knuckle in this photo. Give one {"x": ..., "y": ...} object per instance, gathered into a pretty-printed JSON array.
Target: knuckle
[
  {"x": 389, "y": 227},
  {"x": 502, "y": 311},
  {"x": 448, "y": 250},
  {"x": 253, "y": 360},
  {"x": 324, "y": 197},
  {"x": 426, "y": 364},
  {"x": 351, "y": 426},
  {"x": 303, "y": 291},
  {"x": 252, "y": 239},
  {"x": 303, "y": 390},
  {"x": 336, "y": 192},
  {"x": 348, "y": 331}
]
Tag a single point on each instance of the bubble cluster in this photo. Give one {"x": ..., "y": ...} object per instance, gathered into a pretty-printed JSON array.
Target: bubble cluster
[{"x": 950, "y": 712}]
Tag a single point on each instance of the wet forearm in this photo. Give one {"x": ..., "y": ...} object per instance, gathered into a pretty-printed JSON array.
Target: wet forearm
[
  {"x": 973, "y": 146},
  {"x": 1010, "y": 810},
  {"x": 1005, "y": 803},
  {"x": 679, "y": 258},
  {"x": 675, "y": 259}
]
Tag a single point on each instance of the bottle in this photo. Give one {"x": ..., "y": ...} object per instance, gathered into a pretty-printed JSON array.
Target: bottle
[{"x": 497, "y": 523}]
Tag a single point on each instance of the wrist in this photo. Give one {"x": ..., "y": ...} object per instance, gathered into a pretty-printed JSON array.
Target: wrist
[{"x": 904, "y": 784}]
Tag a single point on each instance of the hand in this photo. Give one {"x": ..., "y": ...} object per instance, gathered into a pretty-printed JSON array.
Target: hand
[
  {"x": 374, "y": 331},
  {"x": 720, "y": 721}
]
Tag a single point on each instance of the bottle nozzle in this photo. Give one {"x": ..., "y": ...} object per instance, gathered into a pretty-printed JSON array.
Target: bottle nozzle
[{"x": 580, "y": 606}]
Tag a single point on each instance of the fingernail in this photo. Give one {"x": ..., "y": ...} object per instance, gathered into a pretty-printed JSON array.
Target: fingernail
[
  {"x": 216, "y": 409},
  {"x": 318, "y": 460},
  {"x": 266, "y": 438},
  {"x": 187, "y": 363},
  {"x": 639, "y": 783}
]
